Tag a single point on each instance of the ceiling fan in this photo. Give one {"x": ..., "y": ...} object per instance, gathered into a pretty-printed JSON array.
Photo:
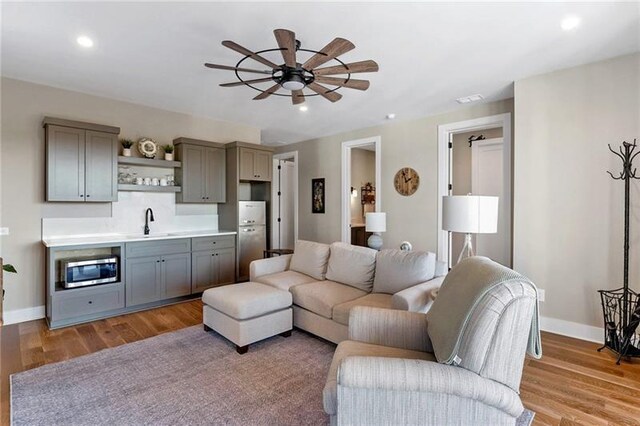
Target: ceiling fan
[{"x": 294, "y": 76}]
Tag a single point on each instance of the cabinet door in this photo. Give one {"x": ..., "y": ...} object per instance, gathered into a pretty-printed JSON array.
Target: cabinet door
[
  {"x": 143, "y": 280},
  {"x": 176, "y": 275},
  {"x": 101, "y": 166},
  {"x": 247, "y": 164},
  {"x": 216, "y": 172},
  {"x": 262, "y": 166},
  {"x": 225, "y": 263},
  {"x": 202, "y": 271},
  {"x": 193, "y": 174},
  {"x": 65, "y": 163}
]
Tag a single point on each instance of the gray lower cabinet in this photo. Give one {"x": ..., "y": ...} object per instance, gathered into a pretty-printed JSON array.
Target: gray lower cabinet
[
  {"x": 212, "y": 268},
  {"x": 176, "y": 275},
  {"x": 154, "y": 278},
  {"x": 84, "y": 302},
  {"x": 143, "y": 281}
]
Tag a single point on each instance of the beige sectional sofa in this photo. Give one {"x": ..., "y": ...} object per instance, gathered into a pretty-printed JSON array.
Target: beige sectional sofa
[{"x": 327, "y": 281}]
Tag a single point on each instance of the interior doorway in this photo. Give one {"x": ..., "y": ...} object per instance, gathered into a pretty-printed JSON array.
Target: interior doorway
[
  {"x": 360, "y": 186},
  {"x": 475, "y": 158},
  {"x": 284, "y": 208}
]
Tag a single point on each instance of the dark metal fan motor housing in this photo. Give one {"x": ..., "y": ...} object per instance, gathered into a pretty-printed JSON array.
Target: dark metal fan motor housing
[{"x": 294, "y": 76}]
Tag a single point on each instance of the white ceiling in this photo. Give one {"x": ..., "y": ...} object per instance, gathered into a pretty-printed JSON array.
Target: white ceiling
[{"x": 429, "y": 53}]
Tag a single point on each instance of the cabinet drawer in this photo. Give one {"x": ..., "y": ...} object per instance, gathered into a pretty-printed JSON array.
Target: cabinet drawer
[
  {"x": 212, "y": 243},
  {"x": 80, "y": 302},
  {"x": 158, "y": 247}
]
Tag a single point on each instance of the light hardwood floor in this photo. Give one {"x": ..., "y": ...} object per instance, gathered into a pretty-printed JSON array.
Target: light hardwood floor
[{"x": 571, "y": 384}]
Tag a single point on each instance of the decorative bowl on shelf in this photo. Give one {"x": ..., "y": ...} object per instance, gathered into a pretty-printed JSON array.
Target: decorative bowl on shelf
[{"x": 147, "y": 147}]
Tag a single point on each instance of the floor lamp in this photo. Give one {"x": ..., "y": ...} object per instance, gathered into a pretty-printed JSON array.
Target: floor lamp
[{"x": 469, "y": 214}]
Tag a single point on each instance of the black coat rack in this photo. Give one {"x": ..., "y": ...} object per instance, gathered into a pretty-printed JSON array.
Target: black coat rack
[{"x": 621, "y": 307}]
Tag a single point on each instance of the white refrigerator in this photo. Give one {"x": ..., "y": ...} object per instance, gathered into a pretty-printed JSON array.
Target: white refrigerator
[{"x": 252, "y": 234}]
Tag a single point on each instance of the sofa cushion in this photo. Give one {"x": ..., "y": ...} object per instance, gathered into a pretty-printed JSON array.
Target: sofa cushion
[
  {"x": 374, "y": 300},
  {"x": 321, "y": 296},
  {"x": 353, "y": 348},
  {"x": 352, "y": 265},
  {"x": 285, "y": 280},
  {"x": 246, "y": 300},
  {"x": 397, "y": 270},
  {"x": 310, "y": 258}
]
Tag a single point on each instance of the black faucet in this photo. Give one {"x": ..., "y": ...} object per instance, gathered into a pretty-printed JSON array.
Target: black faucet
[{"x": 147, "y": 219}]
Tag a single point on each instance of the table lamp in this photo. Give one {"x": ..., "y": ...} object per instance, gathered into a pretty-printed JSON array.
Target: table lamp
[
  {"x": 376, "y": 223},
  {"x": 469, "y": 214}
]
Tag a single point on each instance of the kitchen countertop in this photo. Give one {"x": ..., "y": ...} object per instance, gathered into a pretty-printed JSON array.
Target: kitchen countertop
[{"x": 128, "y": 238}]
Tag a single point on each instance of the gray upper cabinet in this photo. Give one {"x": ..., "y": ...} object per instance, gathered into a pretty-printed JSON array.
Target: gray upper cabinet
[
  {"x": 203, "y": 173},
  {"x": 101, "y": 166},
  {"x": 82, "y": 161},
  {"x": 255, "y": 164}
]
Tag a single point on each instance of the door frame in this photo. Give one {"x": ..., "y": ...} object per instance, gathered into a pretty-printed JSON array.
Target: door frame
[
  {"x": 345, "y": 219},
  {"x": 445, "y": 133},
  {"x": 286, "y": 156}
]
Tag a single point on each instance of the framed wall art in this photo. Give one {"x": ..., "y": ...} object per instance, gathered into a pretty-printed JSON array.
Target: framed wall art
[{"x": 317, "y": 195}]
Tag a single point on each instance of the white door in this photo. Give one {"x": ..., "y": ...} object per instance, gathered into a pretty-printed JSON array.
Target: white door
[
  {"x": 487, "y": 178},
  {"x": 283, "y": 217}
]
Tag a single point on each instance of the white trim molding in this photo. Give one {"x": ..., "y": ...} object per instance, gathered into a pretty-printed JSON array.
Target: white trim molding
[
  {"x": 287, "y": 156},
  {"x": 346, "y": 185},
  {"x": 444, "y": 133},
  {"x": 572, "y": 329},
  {"x": 22, "y": 315}
]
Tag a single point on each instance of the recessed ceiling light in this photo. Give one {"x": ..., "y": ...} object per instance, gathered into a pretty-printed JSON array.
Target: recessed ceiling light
[
  {"x": 570, "y": 23},
  {"x": 84, "y": 41},
  {"x": 304, "y": 108},
  {"x": 469, "y": 99},
  {"x": 391, "y": 116}
]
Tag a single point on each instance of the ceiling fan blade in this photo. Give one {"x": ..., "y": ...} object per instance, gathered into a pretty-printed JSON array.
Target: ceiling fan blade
[
  {"x": 287, "y": 42},
  {"x": 244, "y": 51},
  {"x": 324, "y": 92},
  {"x": 267, "y": 92},
  {"x": 354, "y": 67},
  {"x": 338, "y": 81},
  {"x": 226, "y": 67},
  {"x": 337, "y": 47},
  {"x": 298, "y": 97},
  {"x": 242, "y": 83}
]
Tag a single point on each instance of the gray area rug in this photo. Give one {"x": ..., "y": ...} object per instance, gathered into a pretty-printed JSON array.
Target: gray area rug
[{"x": 185, "y": 377}]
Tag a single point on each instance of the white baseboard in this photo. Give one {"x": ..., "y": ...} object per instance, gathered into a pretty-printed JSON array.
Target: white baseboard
[
  {"x": 22, "y": 315},
  {"x": 572, "y": 329}
]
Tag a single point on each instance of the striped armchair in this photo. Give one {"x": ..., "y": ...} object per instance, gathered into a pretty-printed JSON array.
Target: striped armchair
[{"x": 461, "y": 363}]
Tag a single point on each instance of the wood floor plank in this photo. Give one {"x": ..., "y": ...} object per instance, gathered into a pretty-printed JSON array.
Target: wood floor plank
[{"x": 571, "y": 385}]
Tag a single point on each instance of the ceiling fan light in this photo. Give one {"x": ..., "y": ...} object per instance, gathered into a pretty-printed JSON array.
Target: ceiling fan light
[{"x": 293, "y": 85}]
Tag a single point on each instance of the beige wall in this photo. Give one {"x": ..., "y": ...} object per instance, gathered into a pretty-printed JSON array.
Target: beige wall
[
  {"x": 363, "y": 170},
  {"x": 22, "y": 172},
  {"x": 410, "y": 143},
  {"x": 461, "y": 175},
  {"x": 568, "y": 213}
]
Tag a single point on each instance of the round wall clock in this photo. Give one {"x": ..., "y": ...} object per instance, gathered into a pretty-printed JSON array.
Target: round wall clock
[{"x": 406, "y": 181}]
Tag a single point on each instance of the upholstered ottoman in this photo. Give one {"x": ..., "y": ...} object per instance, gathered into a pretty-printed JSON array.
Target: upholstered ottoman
[{"x": 247, "y": 312}]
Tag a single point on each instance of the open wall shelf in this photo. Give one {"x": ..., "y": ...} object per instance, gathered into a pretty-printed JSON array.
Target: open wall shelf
[
  {"x": 148, "y": 162},
  {"x": 148, "y": 188}
]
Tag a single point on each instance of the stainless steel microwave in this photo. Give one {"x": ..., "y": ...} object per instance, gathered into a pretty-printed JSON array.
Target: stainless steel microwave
[{"x": 85, "y": 271}]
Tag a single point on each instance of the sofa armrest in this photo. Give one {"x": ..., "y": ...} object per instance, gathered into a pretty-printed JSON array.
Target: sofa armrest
[
  {"x": 416, "y": 298},
  {"x": 416, "y": 376},
  {"x": 271, "y": 265},
  {"x": 389, "y": 327}
]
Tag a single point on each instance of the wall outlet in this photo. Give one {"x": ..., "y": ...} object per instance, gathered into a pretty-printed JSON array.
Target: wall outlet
[
  {"x": 540, "y": 295},
  {"x": 4, "y": 231}
]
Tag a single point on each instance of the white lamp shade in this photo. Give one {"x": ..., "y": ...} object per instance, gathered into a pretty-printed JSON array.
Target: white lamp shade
[
  {"x": 470, "y": 214},
  {"x": 376, "y": 222}
]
